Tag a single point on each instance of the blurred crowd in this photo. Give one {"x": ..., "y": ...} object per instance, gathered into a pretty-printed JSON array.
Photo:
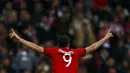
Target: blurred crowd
[{"x": 84, "y": 21}]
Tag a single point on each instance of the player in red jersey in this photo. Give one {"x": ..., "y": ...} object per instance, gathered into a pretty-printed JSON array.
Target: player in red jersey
[{"x": 64, "y": 60}]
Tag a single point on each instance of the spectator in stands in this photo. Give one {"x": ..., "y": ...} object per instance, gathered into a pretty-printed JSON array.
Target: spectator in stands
[
  {"x": 7, "y": 65},
  {"x": 3, "y": 71}
]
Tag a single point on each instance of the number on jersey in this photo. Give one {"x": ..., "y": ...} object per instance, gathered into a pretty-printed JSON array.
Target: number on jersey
[{"x": 68, "y": 61}]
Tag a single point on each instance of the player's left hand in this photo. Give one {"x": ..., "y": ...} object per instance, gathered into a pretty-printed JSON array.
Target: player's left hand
[{"x": 109, "y": 34}]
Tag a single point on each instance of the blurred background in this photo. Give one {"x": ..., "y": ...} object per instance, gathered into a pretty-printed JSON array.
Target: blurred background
[{"x": 84, "y": 21}]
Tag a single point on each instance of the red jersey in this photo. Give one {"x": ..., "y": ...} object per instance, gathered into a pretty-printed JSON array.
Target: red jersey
[{"x": 64, "y": 60}]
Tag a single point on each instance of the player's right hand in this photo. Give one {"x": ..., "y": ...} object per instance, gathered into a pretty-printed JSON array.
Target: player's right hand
[
  {"x": 109, "y": 34},
  {"x": 12, "y": 34}
]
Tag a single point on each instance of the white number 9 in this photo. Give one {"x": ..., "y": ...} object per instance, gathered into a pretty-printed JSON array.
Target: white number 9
[{"x": 69, "y": 60}]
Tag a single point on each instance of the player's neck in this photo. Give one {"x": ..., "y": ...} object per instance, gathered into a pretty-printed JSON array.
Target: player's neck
[{"x": 65, "y": 48}]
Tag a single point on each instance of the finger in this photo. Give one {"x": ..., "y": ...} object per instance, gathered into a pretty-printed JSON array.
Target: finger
[
  {"x": 109, "y": 30},
  {"x": 12, "y": 30},
  {"x": 10, "y": 34},
  {"x": 111, "y": 34}
]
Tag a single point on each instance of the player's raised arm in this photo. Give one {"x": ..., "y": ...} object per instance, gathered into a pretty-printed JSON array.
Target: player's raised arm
[
  {"x": 99, "y": 43},
  {"x": 26, "y": 43}
]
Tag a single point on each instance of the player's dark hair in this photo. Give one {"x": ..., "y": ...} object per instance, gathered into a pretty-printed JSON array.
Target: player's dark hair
[{"x": 63, "y": 41}]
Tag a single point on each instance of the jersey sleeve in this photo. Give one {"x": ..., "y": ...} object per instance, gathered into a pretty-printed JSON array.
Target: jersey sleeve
[
  {"x": 81, "y": 52},
  {"x": 50, "y": 51}
]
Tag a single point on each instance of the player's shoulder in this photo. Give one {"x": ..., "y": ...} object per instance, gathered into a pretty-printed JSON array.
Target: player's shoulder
[{"x": 52, "y": 49}]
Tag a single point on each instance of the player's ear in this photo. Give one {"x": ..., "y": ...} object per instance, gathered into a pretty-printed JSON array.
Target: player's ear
[
  {"x": 57, "y": 45},
  {"x": 68, "y": 45}
]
